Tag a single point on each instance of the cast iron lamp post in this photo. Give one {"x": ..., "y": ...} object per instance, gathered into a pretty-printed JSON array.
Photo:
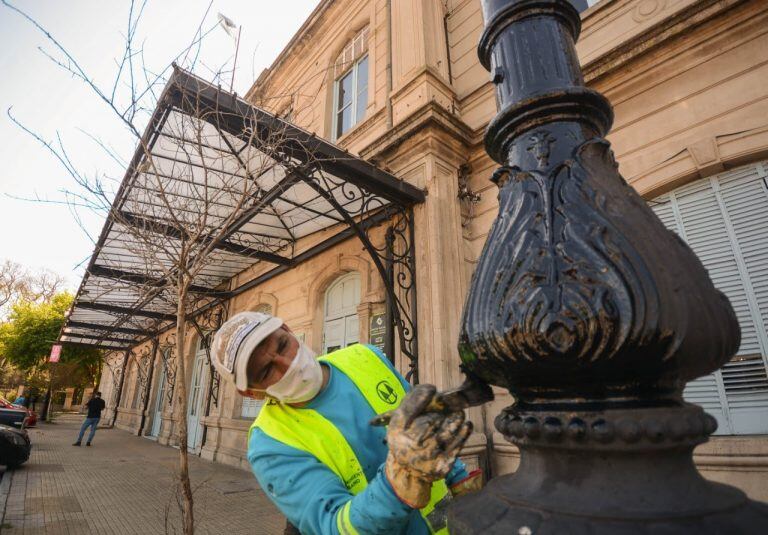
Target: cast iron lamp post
[{"x": 589, "y": 311}]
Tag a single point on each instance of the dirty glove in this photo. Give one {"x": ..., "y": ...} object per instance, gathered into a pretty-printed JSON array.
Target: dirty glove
[
  {"x": 422, "y": 446},
  {"x": 472, "y": 483}
]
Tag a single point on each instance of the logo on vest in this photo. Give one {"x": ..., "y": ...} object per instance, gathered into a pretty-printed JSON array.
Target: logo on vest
[{"x": 386, "y": 392}]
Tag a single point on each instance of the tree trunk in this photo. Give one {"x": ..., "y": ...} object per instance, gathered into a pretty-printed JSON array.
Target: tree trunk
[
  {"x": 46, "y": 404},
  {"x": 185, "y": 486}
]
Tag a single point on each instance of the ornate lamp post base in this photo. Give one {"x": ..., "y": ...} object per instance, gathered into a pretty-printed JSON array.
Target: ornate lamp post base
[
  {"x": 589, "y": 311},
  {"x": 607, "y": 472}
]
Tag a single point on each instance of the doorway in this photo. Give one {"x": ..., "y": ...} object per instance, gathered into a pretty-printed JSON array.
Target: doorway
[
  {"x": 194, "y": 410},
  {"x": 157, "y": 414}
]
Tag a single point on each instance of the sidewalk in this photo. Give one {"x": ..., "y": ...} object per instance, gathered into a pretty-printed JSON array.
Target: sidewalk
[{"x": 124, "y": 484}]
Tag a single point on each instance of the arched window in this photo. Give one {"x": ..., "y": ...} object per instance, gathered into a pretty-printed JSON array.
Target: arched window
[
  {"x": 340, "y": 322},
  {"x": 350, "y": 94}
]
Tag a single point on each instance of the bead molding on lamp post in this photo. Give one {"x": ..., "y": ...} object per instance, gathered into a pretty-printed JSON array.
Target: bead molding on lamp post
[{"x": 589, "y": 311}]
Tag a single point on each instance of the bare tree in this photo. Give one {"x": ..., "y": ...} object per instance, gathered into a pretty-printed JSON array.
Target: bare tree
[
  {"x": 18, "y": 283},
  {"x": 178, "y": 216},
  {"x": 13, "y": 282}
]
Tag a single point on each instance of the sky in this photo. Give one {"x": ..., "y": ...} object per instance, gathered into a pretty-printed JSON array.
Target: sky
[{"x": 38, "y": 228}]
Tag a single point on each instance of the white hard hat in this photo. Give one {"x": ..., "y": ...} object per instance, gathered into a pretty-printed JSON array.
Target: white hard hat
[{"x": 235, "y": 341}]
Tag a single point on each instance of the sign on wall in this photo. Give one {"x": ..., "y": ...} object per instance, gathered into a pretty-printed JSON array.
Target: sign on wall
[
  {"x": 55, "y": 353},
  {"x": 378, "y": 331}
]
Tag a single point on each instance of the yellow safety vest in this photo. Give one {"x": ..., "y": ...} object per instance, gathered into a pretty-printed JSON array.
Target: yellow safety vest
[{"x": 289, "y": 425}]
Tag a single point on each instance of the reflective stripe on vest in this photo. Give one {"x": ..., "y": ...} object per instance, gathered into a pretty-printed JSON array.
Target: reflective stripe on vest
[
  {"x": 343, "y": 522},
  {"x": 383, "y": 392}
]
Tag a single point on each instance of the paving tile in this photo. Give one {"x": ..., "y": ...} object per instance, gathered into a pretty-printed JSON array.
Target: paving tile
[
  {"x": 235, "y": 486},
  {"x": 67, "y": 504},
  {"x": 125, "y": 485},
  {"x": 45, "y": 467}
]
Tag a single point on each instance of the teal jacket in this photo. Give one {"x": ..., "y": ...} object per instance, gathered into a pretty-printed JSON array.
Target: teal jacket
[{"x": 309, "y": 494}]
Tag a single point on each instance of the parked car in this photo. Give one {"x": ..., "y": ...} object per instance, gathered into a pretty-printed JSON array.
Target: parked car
[
  {"x": 31, "y": 415},
  {"x": 12, "y": 416},
  {"x": 14, "y": 446}
]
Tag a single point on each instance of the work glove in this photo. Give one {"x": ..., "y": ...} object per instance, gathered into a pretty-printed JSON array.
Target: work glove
[
  {"x": 422, "y": 446},
  {"x": 472, "y": 483}
]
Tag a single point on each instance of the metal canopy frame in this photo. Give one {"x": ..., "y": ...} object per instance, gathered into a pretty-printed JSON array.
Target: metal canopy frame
[{"x": 310, "y": 196}]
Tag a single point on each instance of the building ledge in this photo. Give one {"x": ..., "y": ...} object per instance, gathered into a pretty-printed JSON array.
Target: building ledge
[
  {"x": 429, "y": 115},
  {"x": 734, "y": 453},
  {"x": 664, "y": 22}
]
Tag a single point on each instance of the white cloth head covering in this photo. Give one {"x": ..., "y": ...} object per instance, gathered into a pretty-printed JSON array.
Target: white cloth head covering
[{"x": 235, "y": 341}]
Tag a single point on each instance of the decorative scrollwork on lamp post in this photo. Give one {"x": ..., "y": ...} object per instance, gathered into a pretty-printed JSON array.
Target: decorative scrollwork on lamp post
[{"x": 589, "y": 311}]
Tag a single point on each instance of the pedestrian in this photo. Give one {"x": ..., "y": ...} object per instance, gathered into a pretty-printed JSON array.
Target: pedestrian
[
  {"x": 95, "y": 406},
  {"x": 21, "y": 400},
  {"x": 312, "y": 448}
]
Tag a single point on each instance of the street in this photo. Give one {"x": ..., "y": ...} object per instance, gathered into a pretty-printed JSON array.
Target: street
[{"x": 123, "y": 484}]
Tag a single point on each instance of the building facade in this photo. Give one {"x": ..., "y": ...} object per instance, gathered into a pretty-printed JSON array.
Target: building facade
[{"x": 398, "y": 83}]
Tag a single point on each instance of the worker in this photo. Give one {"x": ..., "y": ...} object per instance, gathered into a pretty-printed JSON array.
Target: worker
[{"x": 312, "y": 449}]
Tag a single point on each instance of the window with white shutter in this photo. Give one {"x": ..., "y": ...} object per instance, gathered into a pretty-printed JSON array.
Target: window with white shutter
[{"x": 725, "y": 221}]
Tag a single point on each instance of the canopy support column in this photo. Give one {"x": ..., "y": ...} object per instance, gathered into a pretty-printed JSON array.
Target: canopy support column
[
  {"x": 206, "y": 325},
  {"x": 119, "y": 392},
  {"x": 148, "y": 386}
]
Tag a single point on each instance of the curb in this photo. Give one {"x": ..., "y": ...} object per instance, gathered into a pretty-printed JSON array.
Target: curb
[{"x": 5, "y": 489}]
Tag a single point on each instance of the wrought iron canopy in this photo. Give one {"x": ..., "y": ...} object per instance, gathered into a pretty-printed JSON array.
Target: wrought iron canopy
[{"x": 202, "y": 148}]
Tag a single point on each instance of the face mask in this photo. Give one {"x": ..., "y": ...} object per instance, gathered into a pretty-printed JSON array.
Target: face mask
[{"x": 302, "y": 381}]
